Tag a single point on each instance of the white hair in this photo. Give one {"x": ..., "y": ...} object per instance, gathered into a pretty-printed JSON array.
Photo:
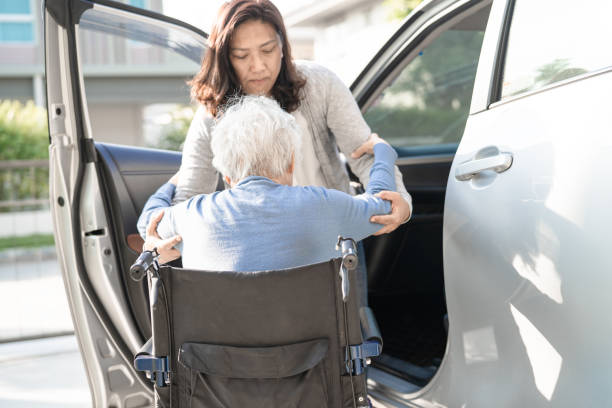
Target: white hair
[{"x": 254, "y": 137}]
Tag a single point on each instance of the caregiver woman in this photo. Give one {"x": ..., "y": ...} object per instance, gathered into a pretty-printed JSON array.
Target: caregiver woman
[{"x": 249, "y": 54}]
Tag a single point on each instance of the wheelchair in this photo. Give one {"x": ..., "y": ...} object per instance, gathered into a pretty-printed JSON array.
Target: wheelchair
[{"x": 281, "y": 338}]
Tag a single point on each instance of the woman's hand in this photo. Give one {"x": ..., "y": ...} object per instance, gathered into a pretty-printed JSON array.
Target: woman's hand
[
  {"x": 165, "y": 247},
  {"x": 400, "y": 209},
  {"x": 368, "y": 146},
  {"x": 400, "y": 212}
]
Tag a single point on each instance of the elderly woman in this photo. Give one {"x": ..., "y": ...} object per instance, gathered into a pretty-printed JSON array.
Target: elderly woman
[
  {"x": 262, "y": 221},
  {"x": 249, "y": 54}
]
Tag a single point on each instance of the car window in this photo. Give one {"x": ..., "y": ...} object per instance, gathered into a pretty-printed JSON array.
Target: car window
[
  {"x": 428, "y": 102},
  {"x": 135, "y": 77},
  {"x": 553, "y": 40}
]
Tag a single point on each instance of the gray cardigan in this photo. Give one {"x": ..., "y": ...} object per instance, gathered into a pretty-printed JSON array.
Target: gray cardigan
[{"x": 335, "y": 120}]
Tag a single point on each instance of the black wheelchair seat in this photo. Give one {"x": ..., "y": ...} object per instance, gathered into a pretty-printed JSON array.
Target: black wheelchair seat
[{"x": 284, "y": 338}]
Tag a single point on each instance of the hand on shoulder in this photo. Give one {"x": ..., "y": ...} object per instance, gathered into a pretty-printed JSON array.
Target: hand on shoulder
[{"x": 368, "y": 146}]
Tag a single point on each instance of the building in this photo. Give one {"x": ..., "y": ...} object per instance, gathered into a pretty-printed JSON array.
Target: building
[
  {"x": 122, "y": 77},
  {"x": 346, "y": 33},
  {"x": 21, "y": 54}
]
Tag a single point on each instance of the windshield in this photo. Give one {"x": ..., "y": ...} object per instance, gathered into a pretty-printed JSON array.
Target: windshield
[{"x": 145, "y": 29}]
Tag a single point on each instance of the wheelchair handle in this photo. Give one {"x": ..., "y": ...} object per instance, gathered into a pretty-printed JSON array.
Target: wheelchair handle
[
  {"x": 146, "y": 259},
  {"x": 349, "y": 252},
  {"x": 349, "y": 262}
]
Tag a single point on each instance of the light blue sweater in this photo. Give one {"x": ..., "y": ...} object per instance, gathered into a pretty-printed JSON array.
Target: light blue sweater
[{"x": 261, "y": 225}]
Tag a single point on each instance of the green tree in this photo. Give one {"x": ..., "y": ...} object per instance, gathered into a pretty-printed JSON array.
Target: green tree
[
  {"x": 398, "y": 9},
  {"x": 23, "y": 131},
  {"x": 173, "y": 134},
  {"x": 556, "y": 71},
  {"x": 428, "y": 102},
  {"x": 23, "y": 136}
]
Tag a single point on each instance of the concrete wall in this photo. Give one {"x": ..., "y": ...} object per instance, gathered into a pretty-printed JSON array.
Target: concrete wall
[
  {"x": 346, "y": 42},
  {"x": 21, "y": 89},
  {"x": 25, "y": 223},
  {"x": 117, "y": 123}
]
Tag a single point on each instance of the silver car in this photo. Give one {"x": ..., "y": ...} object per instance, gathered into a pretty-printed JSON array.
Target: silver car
[{"x": 495, "y": 294}]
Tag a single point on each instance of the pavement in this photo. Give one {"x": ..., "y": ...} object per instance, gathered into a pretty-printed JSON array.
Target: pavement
[
  {"x": 47, "y": 372},
  {"x": 44, "y": 373},
  {"x": 32, "y": 296}
]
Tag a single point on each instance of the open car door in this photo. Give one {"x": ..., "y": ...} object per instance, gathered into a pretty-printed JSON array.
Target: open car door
[{"x": 98, "y": 190}]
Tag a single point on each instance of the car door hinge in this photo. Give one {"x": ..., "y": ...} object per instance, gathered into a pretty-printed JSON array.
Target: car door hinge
[{"x": 90, "y": 155}]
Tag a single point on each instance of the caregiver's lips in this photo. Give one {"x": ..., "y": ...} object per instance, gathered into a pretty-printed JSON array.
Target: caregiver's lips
[{"x": 258, "y": 81}]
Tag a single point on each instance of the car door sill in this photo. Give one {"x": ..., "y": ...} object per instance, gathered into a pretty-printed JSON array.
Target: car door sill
[{"x": 388, "y": 388}]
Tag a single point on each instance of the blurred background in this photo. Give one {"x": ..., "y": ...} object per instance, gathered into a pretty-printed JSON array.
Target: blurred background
[{"x": 137, "y": 95}]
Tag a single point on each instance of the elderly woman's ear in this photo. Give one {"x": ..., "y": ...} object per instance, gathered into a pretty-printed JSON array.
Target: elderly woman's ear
[{"x": 291, "y": 167}]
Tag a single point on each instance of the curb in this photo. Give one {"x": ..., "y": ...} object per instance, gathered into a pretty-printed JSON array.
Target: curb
[
  {"x": 43, "y": 347},
  {"x": 13, "y": 255}
]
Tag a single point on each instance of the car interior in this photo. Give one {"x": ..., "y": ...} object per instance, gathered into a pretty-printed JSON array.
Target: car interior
[{"x": 405, "y": 268}]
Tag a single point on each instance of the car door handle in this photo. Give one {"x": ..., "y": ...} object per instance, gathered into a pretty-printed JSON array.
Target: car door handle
[{"x": 498, "y": 163}]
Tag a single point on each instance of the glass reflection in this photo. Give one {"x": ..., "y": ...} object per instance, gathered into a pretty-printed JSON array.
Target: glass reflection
[
  {"x": 542, "y": 273},
  {"x": 479, "y": 346},
  {"x": 541, "y": 50},
  {"x": 545, "y": 360}
]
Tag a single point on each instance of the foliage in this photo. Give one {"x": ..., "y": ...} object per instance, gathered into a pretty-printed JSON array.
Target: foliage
[
  {"x": 28, "y": 241},
  {"x": 23, "y": 136},
  {"x": 428, "y": 102},
  {"x": 449, "y": 62},
  {"x": 24, "y": 183},
  {"x": 557, "y": 70},
  {"x": 23, "y": 131},
  {"x": 399, "y": 9},
  {"x": 409, "y": 126},
  {"x": 173, "y": 133}
]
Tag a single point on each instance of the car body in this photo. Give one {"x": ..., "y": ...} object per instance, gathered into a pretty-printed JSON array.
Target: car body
[{"x": 495, "y": 294}]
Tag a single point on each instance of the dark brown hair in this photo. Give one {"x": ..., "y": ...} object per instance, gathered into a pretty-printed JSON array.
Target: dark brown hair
[{"x": 217, "y": 82}]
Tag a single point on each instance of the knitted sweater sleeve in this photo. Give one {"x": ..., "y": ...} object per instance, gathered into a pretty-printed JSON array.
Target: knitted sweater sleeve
[
  {"x": 345, "y": 121},
  {"x": 197, "y": 174}
]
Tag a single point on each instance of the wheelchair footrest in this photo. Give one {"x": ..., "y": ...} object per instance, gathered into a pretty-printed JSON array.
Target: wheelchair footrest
[
  {"x": 157, "y": 368},
  {"x": 357, "y": 356}
]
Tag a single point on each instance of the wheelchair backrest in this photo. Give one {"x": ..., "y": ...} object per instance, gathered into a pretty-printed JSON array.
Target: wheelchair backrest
[{"x": 258, "y": 339}]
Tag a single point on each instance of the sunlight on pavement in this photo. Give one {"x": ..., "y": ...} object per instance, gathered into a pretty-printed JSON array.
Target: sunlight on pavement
[
  {"x": 46, "y": 373},
  {"x": 33, "y": 299}
]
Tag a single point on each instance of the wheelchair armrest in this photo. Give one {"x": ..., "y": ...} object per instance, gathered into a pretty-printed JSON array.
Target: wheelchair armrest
[
  {"x": 369, "y": 326},
  {"x": 156, "y": 368},
  {"x": 358, "y": 356},
  {"x": 146, "y": 349}
]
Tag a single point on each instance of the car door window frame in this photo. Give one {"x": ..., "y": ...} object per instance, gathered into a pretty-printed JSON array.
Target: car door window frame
[
  {"x": 493, "y": 59},
  {"x": 488, "y": 78},
  {"x": 366, "y": 95},
  {"x": 366, "y": 90}
]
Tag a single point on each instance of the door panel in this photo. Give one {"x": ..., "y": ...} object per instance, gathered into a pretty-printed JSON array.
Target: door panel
[
  {"x": 97, "y": 195},
  {"x": 129, "y": 176},
  {"x": 132, "y": 175},
  {"x": 524, "y": 253},
  {"x": 524, "y": 250}
]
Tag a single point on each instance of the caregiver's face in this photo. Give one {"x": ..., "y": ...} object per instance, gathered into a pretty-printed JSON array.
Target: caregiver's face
[{"x": 255, "y": 55}]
